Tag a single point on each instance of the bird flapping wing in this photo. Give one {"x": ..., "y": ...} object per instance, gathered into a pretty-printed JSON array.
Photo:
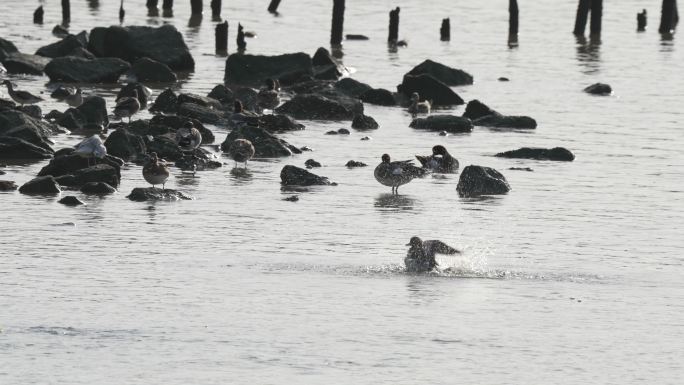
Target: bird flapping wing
[{"x": 439, "y": 247}]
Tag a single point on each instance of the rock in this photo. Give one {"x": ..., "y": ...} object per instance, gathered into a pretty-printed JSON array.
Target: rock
[
  {"x": 17, "y": 124},
  {"x": 429, "y": 88},
  {"x": 355, "y": 37},
  {"x": 266, "y": 145},
  {"x": 97, "y": 188},
  {"x": 317, "y": 107},
  {"x": 305, "y": 149},
  {"x": 7, "y": 47},
  {"x": 66, "y": 162},
  {"x": 326, "y": 66},
  {"x": 332, "y": 132},
  {"x": 8, "y": 185},
  {"x": 504, "y": 79},
  {"x": 276, "y": 123},
  {"x": 165, "y": 147},
  {"x": 16, "y": 148},
  {"x": 148, "y": 70},
  {"x": 21, "y": 63},
  {"x": 443, "y": 133},
  {"x": 71, "y": 200},
  {"x": 329, "y": 72},
  {"x": 476, "y": 109},
  {"x": 203, "y": 114},
  {"x": 32, "y": 110},
  {"x": 98, "y": 173},
  {"x": 143, "y": 92},
  {"x": 41, "y": 185},
  {"x": 82, "y": 53},
  {"x": 364, "y": 122},
  {"x": 343, "y": 131},
  {"x": 478, "y": 180},
  {"x": 291, "y": 198},
  {"x": 223, "y": 94},
  {"x": 310, "y": 163},
  {"x": 92, "y": 114},
  {"x": 200, "y": 100},
  {"x": 61, "y": 48},
  {"x": 599, "y": 89},
  {"x": 447, "y": 75},
  {"x": 295, "y": 176},
  {"x": 353, "y": 164},
  {"x": 448, "y": 123},
  {"x": 166, "y": 102},
  {"x": 164, "y": 44},
  {"x": 482, "y": 115},
  {"x": 521, "y": 169},
  {"x": 351, "y": 87},
  {"x": 140, "y": 194},
  {"x": 556, "y": 153},
  {"x": 79, "y": 70},
  {"x": 248, "y": 97},
  {"x": 255, "y": 69},
  {"x": 378, "y": 96},
  {"x": 366, "y": 138},
  {"x": 59, "y": 31},
  {"x": 125, "y": 145},
  {"x": 199, "y": 160}
]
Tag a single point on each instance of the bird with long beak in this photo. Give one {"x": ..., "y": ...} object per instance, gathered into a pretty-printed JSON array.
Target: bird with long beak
[{"x": 21, "y": 97}]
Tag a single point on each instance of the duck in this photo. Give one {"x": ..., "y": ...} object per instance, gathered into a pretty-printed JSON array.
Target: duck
[
  {"x": 75, "y": 99},
  {"x": 188, "y": 138},
  {"x": 155, "y": 171},
  {"x": 240, "y": 118},
  {"x": 420, "y": 257},
  {"x": 440, "y": 161},
  {"x": 21, "y": 97},
  {"x": 396, "y": 173},
  {"x": 268, "y": 97},
  {"x": 418, "y": 107},
  {"x": 127, "y": 106},
  {"x": 241, "y": 150},
  {"x": 90, "y": 148}
]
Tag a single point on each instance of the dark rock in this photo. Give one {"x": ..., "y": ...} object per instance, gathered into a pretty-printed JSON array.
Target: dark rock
[
  {"x": 199, "y": 160},
  {"x": 355, "y": 37},
  {"x": 166, "y": 102},
  {"x": 443, "y": 133},
  {"x": 248, "y": 97},
  {"x": 332, "y": 132},
  {"x": 326, "y": 66},
  {"x": 482, "y": 115},
  {"x": 79, "y": 70},
  {"x": 429, "y": 88},
  {"x": 366, "y": 138},
  {"x": 504, "y": 79},
  {"x": 91, "y": 114},
  {"x": 41, "y": 185},
  {"x": 17, "y": 124},
  {"x": 364, "y": 122},
  {"x": 140, "y": 194},
  {"x": 203, "y": 114},
  {"x": 318, "y": 107},
  {"x": 61, "y": 92},
  {"x": 32, "y": 110},
  {"x": 556, "y": 153},
  {"x": 98, "y": 173},
  {"x": 478, "y": 180},
  {"x": 448, "y": 123},
  {"x": 266, "y": 145},
  {"x": 71, "y": 200},
  {"x": 328, "y": 72},
  {"x": 61, "y": 48},
  {"x": 163, "y": 124},
  {"x": 60, "y": 31},
  {"x": 279, "y": 123},
  {"x": 165, "y": 147},
  {"x": 447, "y": 75},
  {"x": 521, "y": 169},
  {"x": 310, "y": 163},
  {"x": 292, "y": 198},
  {"x": 223, "y": 94},
  {"x": 97, "y": 188},
  {"x": 21, "y": 63},
  {"x": 130, "y": 90},
  {"x": 295, "y": 176},
  {"x": 599, "y": 89},
  {"x": 476, "y": 109},
  {"x": 164, "y": 44},
  {"x": 353, "y": 163},
  {"x": 66, "y": 162},
  {"x": 305, "y": 149},
  {"x": 343, "y": 131},
  {"x": 351, "y": 87},
  {"x": 200, "y": 100},
  {"x": 7, "y": 47},
  {"x": 8, "y": 185},
  {"x": 125, "y": 145},
  {"x": 255, "y": 69},
  {"x": 378, "y": 96},
  {"x": 148, "y": 70},
  {"x": 16, "y": 148}
]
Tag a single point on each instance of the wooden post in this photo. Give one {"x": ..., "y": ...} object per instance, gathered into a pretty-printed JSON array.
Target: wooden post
[
  {"x": 337, "y": 23},
  {"x": 152, "y": 4},
  {"x": 222, "y": 38},
  {"x": 216, "y": 9},
  {"x": 582, "y": 15},
  {"x": 676, "y": 15},
  {"x": 167, "y": 5},
  {"x": 445, "y": 30},
  {"x": 66, "y": 11},
  {"x": 38, "y": 15},
  {"x": 512, "y": 18},
  {"x": 641, "y": 21},
  {"x": 667, "y": 16},
  {"x": 393, "y": 26},
  {"x": 241, "y": 44},
  {"x": 122, "y": 13},
  {"x": 196, "y": 6},
  {"x": 273, "y": 7},
  {"x": 596, "y": 15}
]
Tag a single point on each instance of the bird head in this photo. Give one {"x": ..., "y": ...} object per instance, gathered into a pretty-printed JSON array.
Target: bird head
[
  {"x": 385, "y": 158},
  {"x": 415, "y": 242}
]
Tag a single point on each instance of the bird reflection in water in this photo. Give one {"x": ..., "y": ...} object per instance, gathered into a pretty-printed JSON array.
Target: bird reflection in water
[
  {"x": 589, "y": 54},
  {"x": 393, "y": 202},
  {"x": 422, "y": 291},
  {"x": 240, "y": 174},
  {"x": 187, "y": 179}
]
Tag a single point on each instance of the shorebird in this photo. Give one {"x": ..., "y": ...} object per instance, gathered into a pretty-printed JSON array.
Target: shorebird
[
  {"x": 440, "y": 160},
  {"x": 91, "y": 148},
  {"x": 397, "y": 173},
  {"x": 420, "y": 257},
  {"x": 239, "y": 118},
  {"x": 241, "y": 150},
  {"x": 418, "y": 107},
  {"x": 21, "y": 97},
  {"x": 155, "y": 171},
  {"x": 75, "y": 99},
  {"x": 268, "y": 97},
  {"x": 188, "y": 138},
  {"x": 127, "y": 106}
]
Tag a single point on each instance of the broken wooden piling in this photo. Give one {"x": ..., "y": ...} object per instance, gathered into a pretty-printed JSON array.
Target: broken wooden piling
[
  {"x": 196, "y": 7},
  {"x": 222, "y": 38},
  {"x": 337, "y": 23},
  {"x": 216, "y": 9},
  {"x": 273, "y": 7},
  {"x": 122, "y": 13},
  {"x": 582, "y": 15},
  {"x": 641, "y": 21},
  {"x": 393, "y": 36},
  {"x": 445, "y": 30},
  {"x": 667, "y": 16},
  {"x": 38, "y": 15},
  {"x": 512, "y": 18},
  {"x": 66, "y": 12},
  {"x": 596, "y": 16},
  {"x": 241, "y": 43}
]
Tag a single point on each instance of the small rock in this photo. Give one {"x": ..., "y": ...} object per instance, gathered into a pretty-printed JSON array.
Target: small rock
[
  {"x": 332, "y": 132},
  {"x": 60, "y": 31},
  {"x": 364, "y": 122},
  {"x": 521, "y": 169},
  {"x": 353, "y": 163},
  {"x": 448, "y": 123},
  {"x": 443, "y": 133},
  {"x": 343, "y": 131},
  {"x": 352, "y": 87},
  {"x": 97, "y": 188},
  {"x": 148, "y": 70},
  {"x": 62, "y": 92},
  {"x": 306, "y": 148},
  {"x": 378, "y": 96},
  {"x": 166, "y": 102},
  {"x": 71, "y": 200},
  {"x": 7, "y": 185},
  {"x": 355, "y": 37},
  {"x": 140, "y": 194},
  {"x": 556, "y": 153},
  {"x": 292, "y": 198},
  {"x": 504, "y": 79},
  {"x": 478, "y": 180},
  {"x": 310, "y": 163},
  {"x": 599, "y": 89},
  {"x": 366, "y": 138},
  {"x": 295, "y": 176},
  {"x": 223, "y": 94},
  {"x": 78, "y": 70},
  {"x": 41, "y": 185},
  {"x": 429, "y": 88},
  {"x": 266, "y": 145},
  {"x": 447, "y": 75}
]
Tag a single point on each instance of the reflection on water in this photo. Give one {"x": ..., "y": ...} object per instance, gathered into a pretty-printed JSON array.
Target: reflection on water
[
  {"x": 187, "y": 178},
  {"x": 241, "y": 175},
  {"x": 481, "y": 202},
  {"x": 393, "y": 202},
  {"x": 588, "y": 54},
  {"x": 194, "y": 23},
  {"x": 421, "y": 290}
]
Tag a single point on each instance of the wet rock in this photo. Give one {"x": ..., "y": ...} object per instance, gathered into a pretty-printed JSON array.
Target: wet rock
[
  {"x": 521, "y": 169},
  {"x": 165, "y": 148},
  {"x": 443, "y": 133},
  {"x": 326, "y": 66},
  {"x": 41, "y": 185},
  {"x": 478, "y": 180},
  {"x": 199, "y": 160},
  {"x": 279, "y": 123},
  {"x": 295, "y": 176},
  {"x": 353, "y": 164},
  {"x": 66, "y": 162},
  {"x": 448, "y": 123},
  {"x": 476, "y": 109},
  {"x": 82, "y": 53},
  {"x": 7, "y": 48},
  {"x": 332, "y": 132},
  {"x": 60, "y": 48},
  {"x": 22, "y": 63},
  {"x": 143, "y": 92},
  {"x": 16, "y": 148},
  {"x": 148, "y": 70},
  {"x": 203, "y": 114},
  {"x": 223, "y": 94},
  {"x": 310, "y": 163},
  {"x": 200, "y": 101},
  {"x": 366, "y": 138},
  {"x": 166, "y": 102},
  {"x": 98, "y": 173},
  {"x": 364, "y": 122},
  {"x": 503, "y": 79},
  {"x": 556, "y": 153},
  {"x": 429, "y": 88},
  {"x": 61, "y": 92},
  {"x": 32, "y": 110},
  {"x": 17, "y": 124},
  {"x": 599, "y": 89},
  {"x": 79, "y": 70},
  {"x": 317, "y": 107},
  {"x": 351, "y": 87},
  {"x": 92, "y": 114},
  {"x": 164, "y": 44},
  {"x": 8, "y": 185},
  {"x": 266, "y": 145},
  {"x": 164, "y": 124},
  {"x": 482, "y": 115},
  {"x": 124, "y": 144},
  {"x": 355, "y": 37},
  {"x": 255, "y": 69},
  {"x": 59, "y": 31},
  {"x": 71, "y": 200},
  {"x": 248, "y": 97},
  {"x": 97, "y": 188},
  {"x": 329, "y": 72},
  {"x": 378, "y": 96},
  {"x": 292, "y": 198},
  {"x": 447, "y": 75},
  {"x": 305, "y": 149},
  {"x": 140, "y": 194}
]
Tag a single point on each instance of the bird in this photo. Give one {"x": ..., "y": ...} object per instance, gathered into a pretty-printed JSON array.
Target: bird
[
  {"x": 268, "y": 97},
  {"x": 155, "y": 171},
  {"x": 21, "y": 97},
  {"x": 396, "y": 173},
  {"x": 420, "y": 257},
  {"x": 418, "y": 107},
  {"x": 91, "y": 147},
  {"x": 188, "y": 138},
  {"x": 440, "y": 160},
  {"x": 127, "y": 106},
  {"x": 241, "y": 150},
  {"x": 239, "y": 118},
  {"x": 75, "y": 99}
]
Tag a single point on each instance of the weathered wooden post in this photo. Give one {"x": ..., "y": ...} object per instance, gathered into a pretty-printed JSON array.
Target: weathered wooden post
[
  {"x": 122, "y": 12},
  {"x": 167, "y": 5},
  {"x": 581, "y": 18},
  {"x": 273, "y": 7},
  {"x": 512, "y": 18},
  {"x": 216, "y": 9},
  {"x": 393, "y": 26},
  {"x": 676, "y": 14},
  {"x": 596, "y": 15},
  {"x": 667, "y": 16},
  {"x": 337, "y": 23},
  {"x": 241, "y": 43},
  {"x": 445, "y": 30},
  {"x": 152, "y": 8},
  {"x": 66, "y": 12},
  {"x": 222, "y": 38},
  {"x": 196, "y": 7},
  {"x": 38, "y": 15},
  {"x": 641, "y": 21}
]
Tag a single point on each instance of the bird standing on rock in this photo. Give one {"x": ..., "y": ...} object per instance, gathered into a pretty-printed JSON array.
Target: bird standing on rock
[
  {"x": 397, "y": 173},
  {"x": 127, "y": 106},
  {"x": 155, "y": 171},
  {"x": 21, "y": 97},
  {"x": 440, "y": 160},
  {"x": 241, "y": 150},
  {"x": 420, "y": 257},
  {"x": 418, "y": 107},
  {"x": 75, "y": 99},
  {"x": 268, "y": 97},
  {"x": 91, "y": 148}
]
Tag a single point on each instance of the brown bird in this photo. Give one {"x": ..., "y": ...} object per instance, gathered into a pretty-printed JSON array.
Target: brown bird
[
  {"x": 420, "y": 258},
  {"x": 127, "y": 106},
  {"x": 440, "y": 160},
  {"x": 418, "y": 107},
  {"x": 268, "y": 98},
  {"x": 397, "y": 173},
  {"x": 155, "y": 171},
  {"x": 241, "y": 150}
]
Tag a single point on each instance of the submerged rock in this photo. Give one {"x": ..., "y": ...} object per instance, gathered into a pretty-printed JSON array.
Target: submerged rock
[
  {"x": 295, "y": 176},
  {"x": 599, "y": 89},
  {"x": 447, "y": 75},
  {"x": 71, "y": 200},
  {"x": 310, "y": 163},
  {"x": 353, "y": 164},
  {"x": 448, "y": 123},
  {"x": 479, "y": 180},
  {"x": 78, "y": 70},
  {"x": 556, "y": 153},
  {"x": 97, "y": 188},
  {"x": 255, "y": 69},
  {"x": 41, "y": 185},
  {"x": 140, "y": 194},
  {"x": 429, "y": 88},
  {"x": 364, "y": 122}
]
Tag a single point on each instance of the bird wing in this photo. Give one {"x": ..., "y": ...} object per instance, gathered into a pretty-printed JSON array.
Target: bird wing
[
  {"x": 423, "y": 160},
  {"x": 439, "y": 247}
]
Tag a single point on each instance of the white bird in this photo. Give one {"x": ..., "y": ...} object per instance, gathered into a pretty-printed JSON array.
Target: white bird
[
  {"x": 21, "y": 97},
  {"x": 418, "y": 107},
  {"x": 420, "y": 258},
  {"x": 397, "y": 173},
  {"x": 188, "y": 138},
  {"x": 91, "y": 148}
]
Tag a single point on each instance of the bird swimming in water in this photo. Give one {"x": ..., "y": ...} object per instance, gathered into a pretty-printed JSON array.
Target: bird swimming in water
[
  {"x": 241, "y": 150},
  {"x": 188, "y": 138},
  {"x": 75, "y": 99},
  {"x": 420, "y": 257},
  {"x": 127, "y": 106},
  {"x": 440, "y": 160},
  {"x": 397, "y": 173},
  {"x": 21, "y": 97},
  {"x": 418, "y": 107},
  {"x": 268, "y": 97},
  {"x": 91, "y": 148},
  {"x": 155, "y": 171}
]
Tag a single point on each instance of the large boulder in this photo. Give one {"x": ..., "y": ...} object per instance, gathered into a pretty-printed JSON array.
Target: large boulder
[
  {"x": 266, "y": 145},
  {"x": 479, "y": 180},
  {"x": 148, "y": 70},
  {"x": 447, "y": 75},
  {"x": 255, "y": 69},
  {"x": 64, "y": 47},
  {"x": 429, "y": 88},
  {"x": 79, "y": 70},
  {"x": 98, "y": 173},
  {"x": 22, "y": 63},
  {"x": 41, "y": 185},
  {"x": 16, "y": 148},
  {"x": 482, "y": 115},
  {"x": 556, "y": 153},
  {"x": 364, "y": 122},
  {"x": 295, "y": 176},
  {"x": 164, "y": 44},
  {"x": 140, "y": 194},
  {"x": 279, "y": 123},
  {"x": 326, "y": 66},
  {"x": 378, "y": 96},
  {"x": 319, "y": 107},
  {"x": 204, "y": 114},
  {"x": 125, "y": 145},
  {"x": 18, "y": 124},
  {"x": 448, "y": 123}
]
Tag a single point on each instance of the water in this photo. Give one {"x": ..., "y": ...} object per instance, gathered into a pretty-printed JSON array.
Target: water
[{"x": 574, "y": 276}]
